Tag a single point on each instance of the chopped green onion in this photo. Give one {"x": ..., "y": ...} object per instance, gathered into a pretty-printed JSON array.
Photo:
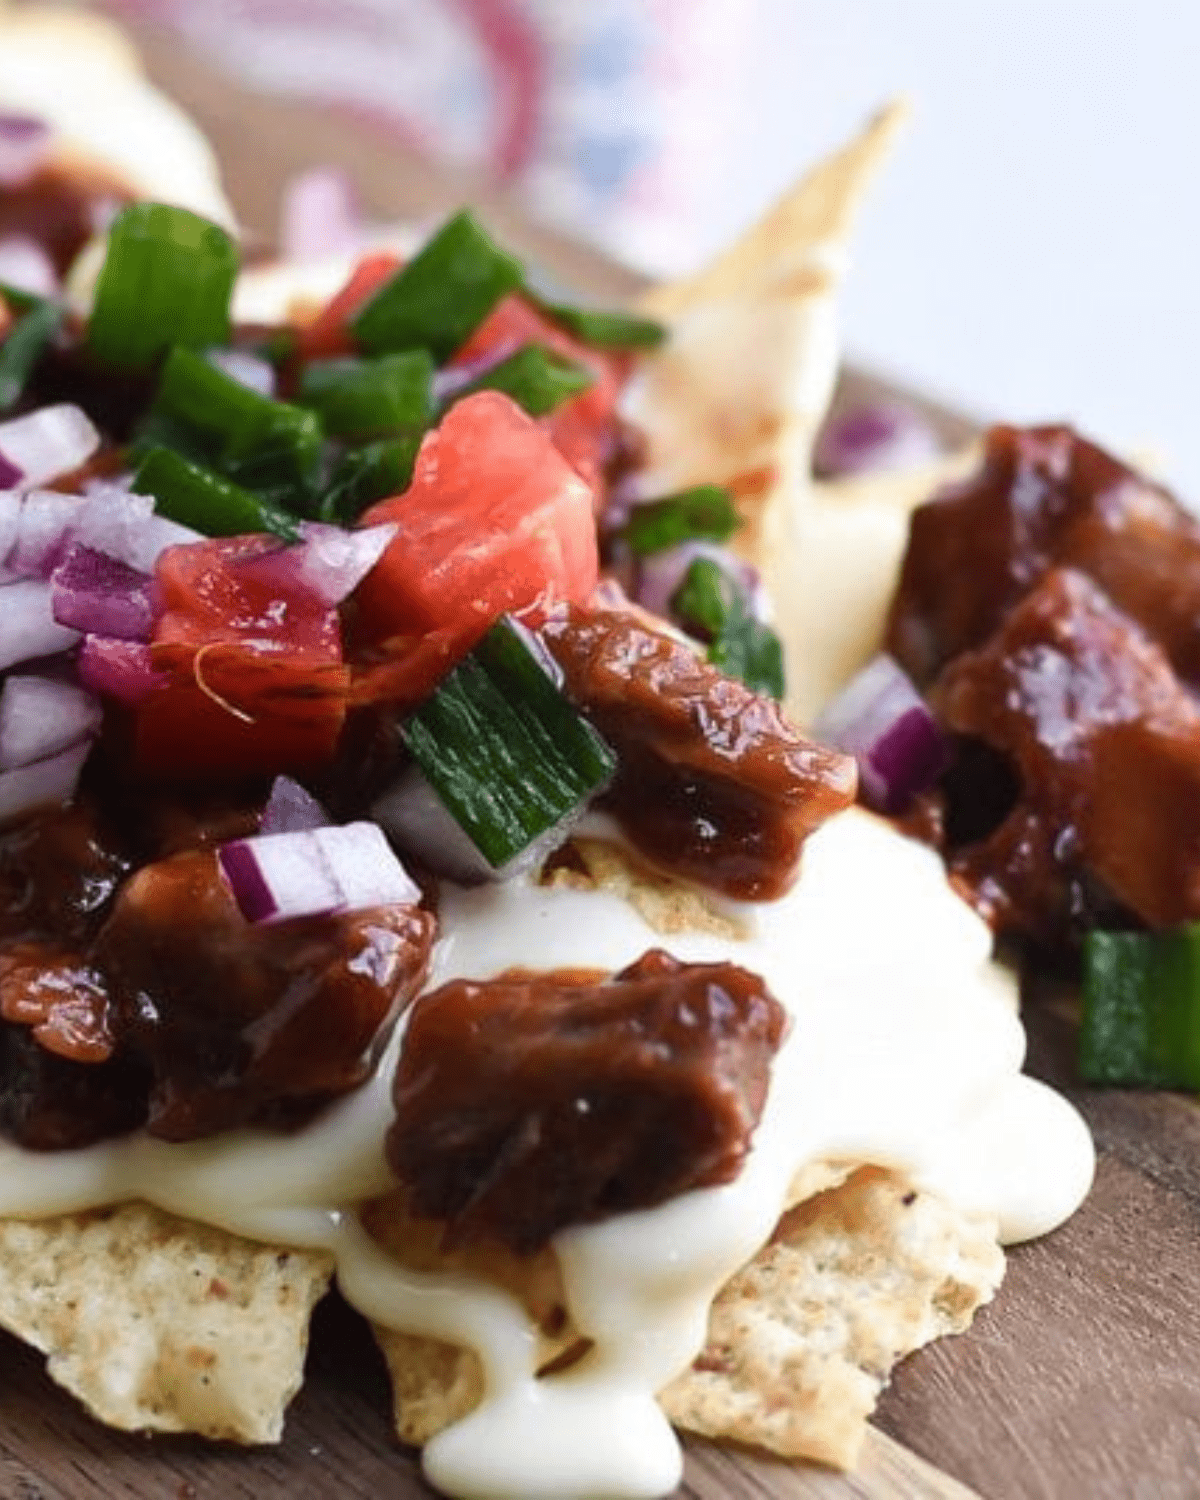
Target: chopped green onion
[
  {"x": 167, "y": 279},
  {"x": 24, "y": 344},
  {"x": 750, "y": 651},
  {"x": 607, "y": 330},
  {"x": 275, "y": 345},
  {"x": 19, "y": 299},
  {"x": 1141, "y": 1008},
  {"x": 703, "y": 600},
  {"x": 267, "y": 446},
  {"x": 194, "y": 496},
  {"x": 365, "y": 475},
  {"x": 706, "y": 512},
  {"x": 441, "y": 296},
  {"x": 370, "y": 398},
  {"x": 708, "y": 603},
  {"x": 503, "y": 749},
  {"x": 535, "y": 378}
]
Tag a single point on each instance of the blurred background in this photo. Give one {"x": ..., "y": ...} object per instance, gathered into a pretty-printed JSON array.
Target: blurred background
[{"x": 1030, "y": 253}]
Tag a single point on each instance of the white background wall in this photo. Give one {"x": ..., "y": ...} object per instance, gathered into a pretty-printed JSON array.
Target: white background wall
[{"x": 1033, "y": 251}]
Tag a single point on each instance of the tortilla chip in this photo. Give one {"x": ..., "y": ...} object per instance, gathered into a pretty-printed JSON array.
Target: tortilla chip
[
  {"x": 667, "y": 905},
  {"x": 848, "y": 542},
  {"x": 801, "y": 1342},
  {"x": 157, "y": 1323},
  {"x": 738, "y": 393},
  {"x": 781, "y": 255},
  {"x": 434, "y": 1384}
]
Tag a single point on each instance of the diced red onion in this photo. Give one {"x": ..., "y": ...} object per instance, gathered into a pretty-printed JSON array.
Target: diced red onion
[
  {"x": 280, "y": 876},
  {"x": 153, "y": 539},
  {"x": 123, "y": 670},
  {"x": 43, "y": 783},
  {"x": 40, "y": 717},
  {"x": 610, "y": 594},
  {"x": 25, "y": 264},
  {"x": 44, "y": 444},
  {"x": 334, "y": 562},
  {"x": 247, "y": 369},
  {"x": 24, "y": 144},
  {"x": 452, "y": 378},
  {"x": 448, "y": 382},
  {"x": 659, "y": 575},
  {"x": 115, "y": 521},
  {"x": 365, "y": 867},
  {"x": 874, "y": 435},
  {"x": 106, "y": 518},
  {"x": 11, "y": 504},
  {"x": 28, "y": 628},
  {"x": 881, "y": 719},
  {"x": 421, "y": 824},
  {"x": 290, "y": 809},
  {"x": 101, "y": 595},
  {"x": 112, "y": 485},
  {"x": 319, "y": 216},
  {"x": 45, "y": 525}
]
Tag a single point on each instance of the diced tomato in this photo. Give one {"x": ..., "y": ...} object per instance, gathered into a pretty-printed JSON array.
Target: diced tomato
[
  {"x": 329, "y": 332},
  {"x": 581, "y": 428},
  {"x": 494, "y": 517},
  {"x": 246, "y": 589},
  {"x": 256, "y": 683}
]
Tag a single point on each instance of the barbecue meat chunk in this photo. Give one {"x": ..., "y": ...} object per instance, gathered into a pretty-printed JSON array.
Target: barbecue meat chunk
[
  {"x": 1045, "y": 497},
  {"x": 244, "y": 1023},
  {"x": 1105, "y": 741},
  {"x": 51, "y": 1103},
  {"x": 59, "y": 874},
  {"x": 713, "y": 783},
  {"x": 531, "y": 1102}
]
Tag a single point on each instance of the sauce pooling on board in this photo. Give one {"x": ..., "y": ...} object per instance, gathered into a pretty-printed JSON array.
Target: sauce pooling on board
[{"x": 904, "y": 1049}]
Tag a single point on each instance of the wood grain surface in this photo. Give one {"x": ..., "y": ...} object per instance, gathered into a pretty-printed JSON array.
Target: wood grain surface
[{"x": 1081, "y": 1380}]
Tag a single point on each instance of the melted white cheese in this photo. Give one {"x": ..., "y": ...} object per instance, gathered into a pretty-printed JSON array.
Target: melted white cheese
[{"x": 904, "y": 1050}]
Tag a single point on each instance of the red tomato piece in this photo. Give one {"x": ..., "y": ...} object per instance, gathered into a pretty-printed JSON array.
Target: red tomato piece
[
  {"x": 256, "y": 683},
  {"x": 494, "y": 517},
  {"x": 581, "y": 428},
  {"x": 329, "y": 332}
]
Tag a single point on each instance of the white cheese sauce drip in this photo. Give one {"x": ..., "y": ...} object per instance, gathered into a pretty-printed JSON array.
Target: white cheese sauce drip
[{"x": 904, "y": 1050}]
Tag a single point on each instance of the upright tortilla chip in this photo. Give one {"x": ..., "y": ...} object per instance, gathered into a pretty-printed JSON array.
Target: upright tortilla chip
[
  {"x": 155, "y": 1322},
  {"x": 740, "y": 389}
]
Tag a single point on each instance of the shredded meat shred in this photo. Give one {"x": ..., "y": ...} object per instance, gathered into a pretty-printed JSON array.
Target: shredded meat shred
[
  {"x": 713, "y": 782},
  {"x": 528, "y": 1103}
]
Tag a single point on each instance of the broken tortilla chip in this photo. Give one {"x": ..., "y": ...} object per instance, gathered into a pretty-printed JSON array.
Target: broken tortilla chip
[
  {"x": 158, "y": 1323},
  {"x": 802, "y": 1341}
]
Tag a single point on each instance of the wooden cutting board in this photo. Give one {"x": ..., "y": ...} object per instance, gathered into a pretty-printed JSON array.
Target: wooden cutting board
[{"x": 1081, "y": 1380}]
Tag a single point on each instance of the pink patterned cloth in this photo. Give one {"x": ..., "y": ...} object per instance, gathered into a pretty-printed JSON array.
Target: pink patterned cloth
[{"x": 609, "y": 115}]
